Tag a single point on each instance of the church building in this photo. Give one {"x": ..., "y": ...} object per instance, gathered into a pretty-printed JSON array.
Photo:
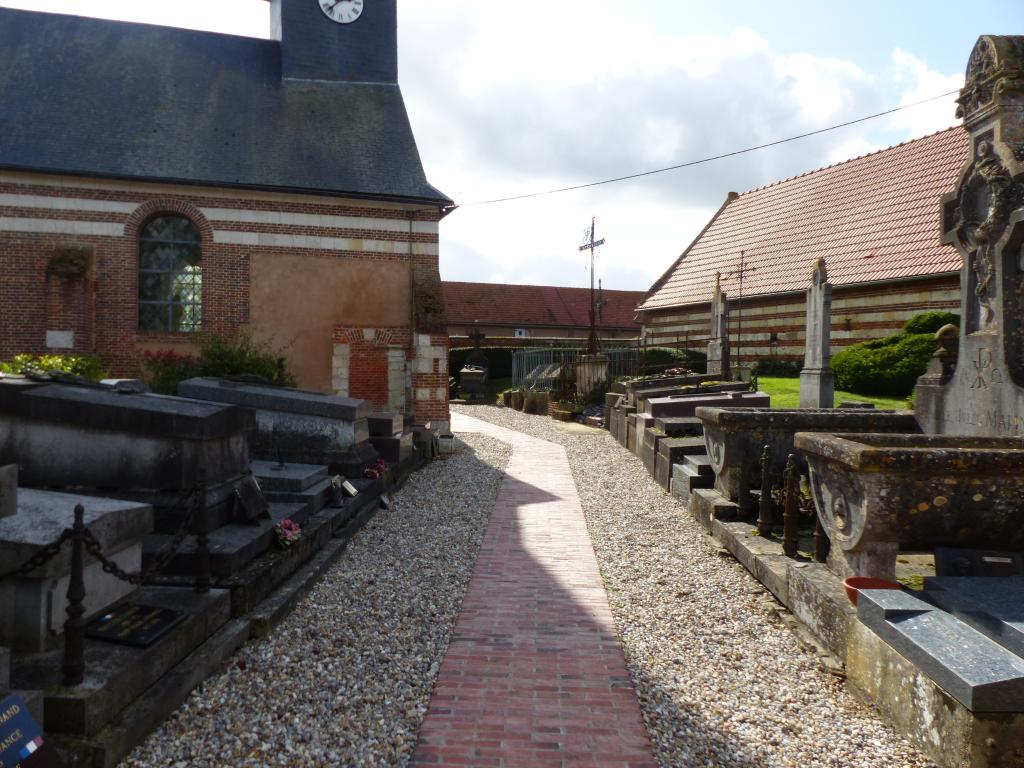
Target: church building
[{"x": 156, "y": 182}]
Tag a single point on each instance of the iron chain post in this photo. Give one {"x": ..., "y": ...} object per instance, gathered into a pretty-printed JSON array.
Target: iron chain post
[
  {"x": 791, "y": 513},
  {"x": 766, "y": 509},
  {"x": 202, "y": 536},
  {"x": 74, "y": 626}
]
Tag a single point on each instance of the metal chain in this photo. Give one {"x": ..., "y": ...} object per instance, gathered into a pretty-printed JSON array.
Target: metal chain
[
  {"x": 93, "y": 546},
  {"x": 40, "y": 558},
  {"x": 162, "y": 558}
]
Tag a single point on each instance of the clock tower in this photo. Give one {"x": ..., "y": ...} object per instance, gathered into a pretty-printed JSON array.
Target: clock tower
[{"x": 352, "y": 41}]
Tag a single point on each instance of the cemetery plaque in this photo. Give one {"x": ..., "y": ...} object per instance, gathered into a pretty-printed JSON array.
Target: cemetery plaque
[
  {"x": 249, "y": 501},
  {"x": 134, "y": 624},
  {"x": 952, "y": 561},
  {"x": 22, "y": 743}
]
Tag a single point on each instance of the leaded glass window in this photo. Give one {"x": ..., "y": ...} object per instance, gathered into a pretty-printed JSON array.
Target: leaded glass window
[{"x": 170, "y": 275}]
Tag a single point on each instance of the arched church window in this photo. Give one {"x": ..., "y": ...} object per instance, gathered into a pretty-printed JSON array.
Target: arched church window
[{"x": 170, "y": 275}]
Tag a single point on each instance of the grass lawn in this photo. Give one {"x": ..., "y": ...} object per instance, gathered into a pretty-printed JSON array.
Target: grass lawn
[{"x": 785, "y": 393}]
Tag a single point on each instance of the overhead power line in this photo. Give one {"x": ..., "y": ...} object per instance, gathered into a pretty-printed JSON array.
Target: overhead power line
[{"x": 703, "y": 160}]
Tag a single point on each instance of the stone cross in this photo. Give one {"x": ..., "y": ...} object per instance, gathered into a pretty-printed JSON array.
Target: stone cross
[
  {"x": 8, "y": 490},
  {"x": 817, "y": 382},
  {"x": 718, "y": 346},
  {"x": 984, "y": 220},
  {"x": 476, "y": 336}
]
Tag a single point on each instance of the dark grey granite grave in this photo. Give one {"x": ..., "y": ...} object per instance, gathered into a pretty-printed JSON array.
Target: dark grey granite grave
[
  {"x": 641, "y": 421},
  {"x": 993, "y": 606},
  {"x": 385, "y": 424},
  {"x": 396, "y": 449},
  {"x": 8, "y": 490},
  {"x": 959, "y": 561},
  {"x": 680, "y": 426},
  {"x": 32, "y": 606},
  {"x": 296, "y": 425},
  {"x": 141, "y": 446},
  {"x": 671, "y": 451},
  {"x": 644, "y": 396},
  {"x": 687, "y": 404},
  {"x": 975, "y": 670},
  {"x": 5, "y": 670}
]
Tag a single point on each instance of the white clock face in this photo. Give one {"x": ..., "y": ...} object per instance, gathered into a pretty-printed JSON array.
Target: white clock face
[{"x": 342, "y": 11}]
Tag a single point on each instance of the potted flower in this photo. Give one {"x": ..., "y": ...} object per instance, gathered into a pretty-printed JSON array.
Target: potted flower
[{"x": 288, "y": 532}]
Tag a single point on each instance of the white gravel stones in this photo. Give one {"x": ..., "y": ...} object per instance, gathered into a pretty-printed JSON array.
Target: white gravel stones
[
  {"x": 345, "y": 680},
  {"x": 721, "y": 681}
]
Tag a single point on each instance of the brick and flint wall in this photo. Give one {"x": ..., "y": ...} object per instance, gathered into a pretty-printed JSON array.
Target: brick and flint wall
[
  {"x": 775, "y": 325},
  {"x": 290, "y": 268}
]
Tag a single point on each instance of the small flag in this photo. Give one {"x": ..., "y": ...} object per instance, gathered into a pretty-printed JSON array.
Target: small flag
[{"x": 31, "y": 747}]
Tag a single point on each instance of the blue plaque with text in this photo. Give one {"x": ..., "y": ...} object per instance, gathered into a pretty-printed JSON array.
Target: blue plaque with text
[{"x": 22, "y": 743}]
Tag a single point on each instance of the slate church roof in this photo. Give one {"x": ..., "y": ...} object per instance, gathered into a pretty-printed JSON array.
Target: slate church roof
[
  {"x": 873, "y": 218},
  {"x": 105, "y": 98},
  {"x": 524, "y": 306}
]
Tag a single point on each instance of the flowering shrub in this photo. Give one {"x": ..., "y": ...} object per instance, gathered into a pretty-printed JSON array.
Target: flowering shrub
[
  {"x": 232, "y": 355},
  {"x": 164, "y": 369},
  {"x": 87, "y": 366},
  {"x": 378, "y": 469},
  {"x": 288, "y": 533}
]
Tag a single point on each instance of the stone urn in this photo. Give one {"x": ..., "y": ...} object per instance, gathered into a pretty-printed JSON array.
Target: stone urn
[
  {"x": 736, "y": 437},
  {"x": 876, "y": 493}
]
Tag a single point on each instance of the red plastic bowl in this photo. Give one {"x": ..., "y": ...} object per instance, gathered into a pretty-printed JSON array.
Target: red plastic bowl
[{"x": 854, "y": 584}]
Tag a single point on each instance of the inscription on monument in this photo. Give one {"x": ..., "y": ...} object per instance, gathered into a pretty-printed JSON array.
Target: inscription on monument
[{"x": 134, "y": 624}]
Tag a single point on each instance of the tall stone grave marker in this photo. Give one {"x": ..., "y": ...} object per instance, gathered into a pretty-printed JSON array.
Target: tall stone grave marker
[
  {"x": 984, "y": 219},
  {"x": 718, "y": 346},
  {"x": 817, "y": 382}
]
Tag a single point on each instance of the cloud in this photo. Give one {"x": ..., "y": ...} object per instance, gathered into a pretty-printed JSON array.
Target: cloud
[{"x": 918, "y": 83}]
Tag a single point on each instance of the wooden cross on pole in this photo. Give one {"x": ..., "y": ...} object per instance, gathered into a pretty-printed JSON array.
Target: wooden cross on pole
[{"x": 590, "y": 245}]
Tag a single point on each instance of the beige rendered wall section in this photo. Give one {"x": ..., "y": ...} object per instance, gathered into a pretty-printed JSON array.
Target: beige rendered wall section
[{"x": 297, "y": 300}]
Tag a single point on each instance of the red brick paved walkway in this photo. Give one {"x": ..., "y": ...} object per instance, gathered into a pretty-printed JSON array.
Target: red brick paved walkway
[{"x": 534, "y": 675}]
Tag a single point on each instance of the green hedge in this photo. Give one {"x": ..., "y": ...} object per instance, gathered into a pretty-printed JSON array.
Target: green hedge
[
  {"x": 888, "y": 366},
  {"x": 778, "y": 368},
  {"x": 86, "y": 366},
  {"x": 657, "y": 359},
  {"x": 930, "y": 322}
]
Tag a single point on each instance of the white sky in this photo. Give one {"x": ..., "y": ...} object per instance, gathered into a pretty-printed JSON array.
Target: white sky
[{"x": 509, "y": 99}]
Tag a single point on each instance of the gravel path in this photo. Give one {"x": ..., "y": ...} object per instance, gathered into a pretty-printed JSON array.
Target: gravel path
[
  {"x": 346, "y": 678},
  {"x": 721, "y": 681}
]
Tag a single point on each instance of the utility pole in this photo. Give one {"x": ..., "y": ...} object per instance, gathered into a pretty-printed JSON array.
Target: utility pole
[{"x": 591, "y": 244}]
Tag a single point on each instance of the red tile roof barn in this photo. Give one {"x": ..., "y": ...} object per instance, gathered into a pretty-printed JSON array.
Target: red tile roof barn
[
  {"x": 873, "y": 218},
  {"x": 536, "y": 305}
]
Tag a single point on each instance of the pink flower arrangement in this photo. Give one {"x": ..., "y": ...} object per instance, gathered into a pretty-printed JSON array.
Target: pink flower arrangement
[
  {"x": 376, "y": 470},
  {"x": 288, "y": 532}
]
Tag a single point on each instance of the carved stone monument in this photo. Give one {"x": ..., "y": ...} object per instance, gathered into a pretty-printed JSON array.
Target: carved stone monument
[
  {"x": 817, "y": 382},
  {"x": 984, "y": 219},
  {"x": 718, "y": 347}
]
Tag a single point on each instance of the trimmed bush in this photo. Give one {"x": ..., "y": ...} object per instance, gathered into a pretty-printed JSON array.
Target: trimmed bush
[
  {"x": 774, "y": 366},
  {"x": 234, "y": 355},
  {"x": 930, "y": 322},
  {"x": 86, "y": 366},
  {"x": 888, "y": 366}
]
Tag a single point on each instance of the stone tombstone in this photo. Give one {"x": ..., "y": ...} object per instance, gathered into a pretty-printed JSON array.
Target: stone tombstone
[
  {"x": 984, "y": 219},
  {"x": 718, "y": 346},
  {"x": 817, "y": 382}
]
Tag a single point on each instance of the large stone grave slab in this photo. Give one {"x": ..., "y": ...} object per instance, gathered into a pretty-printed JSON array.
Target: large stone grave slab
[
  {"x": 975, "y": 670},
  {"x": 32, "y": 607},
  {"x": 296, "y": 425},
  {"x": 687, "y": 405},
  {"x": 113, "y": 443}
]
